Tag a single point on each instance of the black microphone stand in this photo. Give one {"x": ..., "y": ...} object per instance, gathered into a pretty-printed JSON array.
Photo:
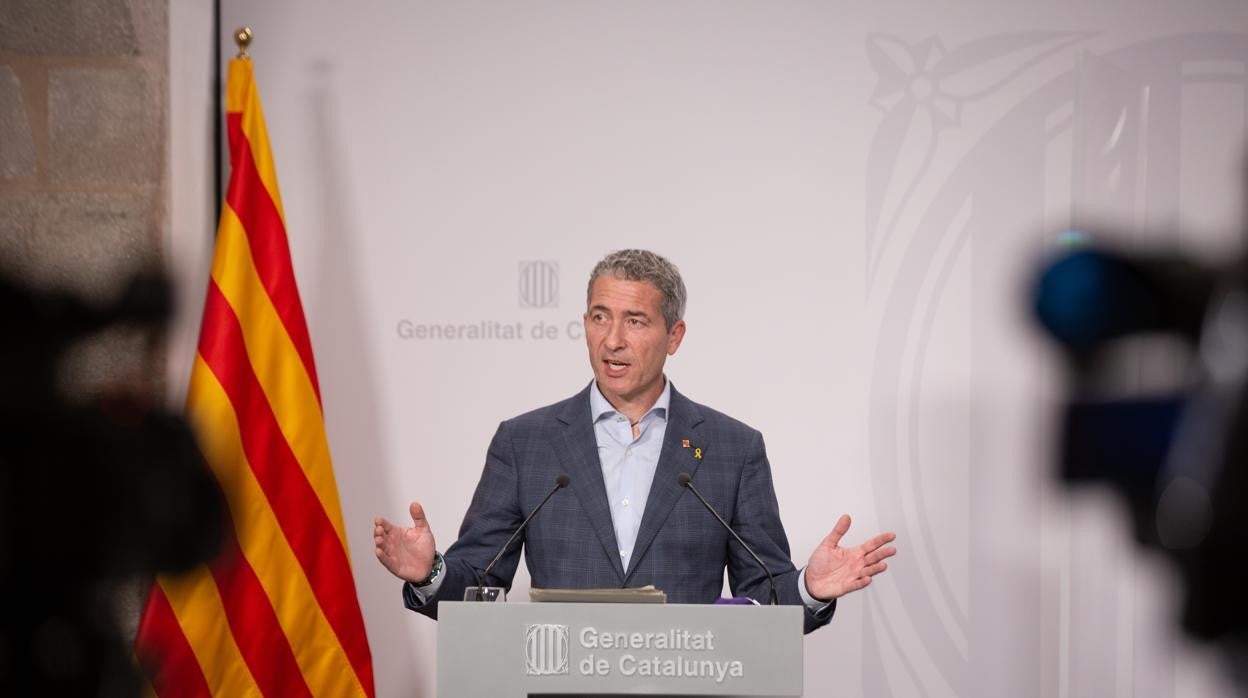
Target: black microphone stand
[
  {"x": 687, "y": 482},
  {"x": 484, "y": 593}
]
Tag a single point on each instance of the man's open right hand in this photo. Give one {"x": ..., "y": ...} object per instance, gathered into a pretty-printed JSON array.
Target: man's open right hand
[{"x": 406, "y": 552}]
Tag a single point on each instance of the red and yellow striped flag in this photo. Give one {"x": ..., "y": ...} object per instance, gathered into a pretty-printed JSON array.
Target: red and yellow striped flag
[{"x": 276, "y": 614}]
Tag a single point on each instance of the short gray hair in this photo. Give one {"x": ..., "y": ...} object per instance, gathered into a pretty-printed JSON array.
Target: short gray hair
[{"x": 644, "y": 265}]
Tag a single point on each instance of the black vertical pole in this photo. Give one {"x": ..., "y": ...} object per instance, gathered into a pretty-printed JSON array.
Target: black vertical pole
[{"x": 218, "y": 115}]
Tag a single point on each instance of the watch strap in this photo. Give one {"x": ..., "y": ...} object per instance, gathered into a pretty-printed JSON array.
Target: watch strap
[{"x": 434, "y": 571}]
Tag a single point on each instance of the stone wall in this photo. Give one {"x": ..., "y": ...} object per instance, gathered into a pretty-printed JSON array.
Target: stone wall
[
  {"x": 83, "y": 149},
  {"x": 83, "y": 178}
]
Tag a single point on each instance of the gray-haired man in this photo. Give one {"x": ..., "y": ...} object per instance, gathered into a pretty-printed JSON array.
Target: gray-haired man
[{"x": 626, "y": 520}]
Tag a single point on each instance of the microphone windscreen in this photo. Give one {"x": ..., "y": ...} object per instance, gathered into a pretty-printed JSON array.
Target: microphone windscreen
[
  {"x": 562, "y": 480},
  {"x": 684, "y": 479}
]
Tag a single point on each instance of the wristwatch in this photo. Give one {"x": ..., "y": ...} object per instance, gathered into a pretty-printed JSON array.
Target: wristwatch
[{"x": 433, "y": 573}]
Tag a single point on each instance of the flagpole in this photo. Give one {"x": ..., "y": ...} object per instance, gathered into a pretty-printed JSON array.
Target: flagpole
[{"x": 218, "y": 109}]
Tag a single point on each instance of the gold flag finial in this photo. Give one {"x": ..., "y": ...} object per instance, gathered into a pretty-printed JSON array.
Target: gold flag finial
[{"x": 242, "y": 37}]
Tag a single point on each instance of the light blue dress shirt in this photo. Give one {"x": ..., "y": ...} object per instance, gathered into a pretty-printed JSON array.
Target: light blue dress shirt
[{"x": 628, "y": 464}]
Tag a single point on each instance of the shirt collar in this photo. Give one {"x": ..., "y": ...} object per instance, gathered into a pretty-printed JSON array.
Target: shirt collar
[{"x": 599, "y": 407}]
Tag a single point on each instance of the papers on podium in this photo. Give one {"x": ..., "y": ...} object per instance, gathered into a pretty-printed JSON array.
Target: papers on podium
[{"x": 646, "y": 594}]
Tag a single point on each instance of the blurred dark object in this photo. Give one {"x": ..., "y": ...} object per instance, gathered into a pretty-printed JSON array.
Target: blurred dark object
[
  {"x": 92, "y": 495},
  {"x": 1090, "y": 296},
  {"x": 1180, "y": 458}
]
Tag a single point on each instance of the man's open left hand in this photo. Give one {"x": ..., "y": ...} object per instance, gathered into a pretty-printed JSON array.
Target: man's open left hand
[{"x": 834, "y": 571}]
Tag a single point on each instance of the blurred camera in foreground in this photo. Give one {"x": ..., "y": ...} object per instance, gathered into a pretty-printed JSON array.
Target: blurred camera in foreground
[
  {"x": 95, "y": 493},
  {"x": 1178, "y": 457}
]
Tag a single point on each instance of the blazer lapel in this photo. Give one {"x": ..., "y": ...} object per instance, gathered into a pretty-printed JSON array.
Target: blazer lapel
[
  {"x": 579, "y": 457},
  {"x": 674, "y": 459}
]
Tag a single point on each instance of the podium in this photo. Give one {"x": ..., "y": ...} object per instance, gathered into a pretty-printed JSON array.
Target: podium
[{"x": 531, "y": 650}]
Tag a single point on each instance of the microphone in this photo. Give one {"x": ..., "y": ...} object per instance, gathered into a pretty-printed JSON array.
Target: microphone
[
  {"x": 560, "y": 483},
  {"x": 687, "y": 482}
]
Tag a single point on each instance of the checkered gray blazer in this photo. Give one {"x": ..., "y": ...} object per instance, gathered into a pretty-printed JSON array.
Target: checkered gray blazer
[{"x": 680, "y": 547}]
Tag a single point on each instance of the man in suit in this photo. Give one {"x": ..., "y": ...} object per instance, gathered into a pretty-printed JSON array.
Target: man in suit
[{"x": 625, "y": 519}]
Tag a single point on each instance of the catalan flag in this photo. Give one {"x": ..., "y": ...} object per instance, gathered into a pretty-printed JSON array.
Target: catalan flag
[{"x": 276, "y": 614}]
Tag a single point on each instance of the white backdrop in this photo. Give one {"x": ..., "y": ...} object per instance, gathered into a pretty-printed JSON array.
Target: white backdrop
[{"x": 855, "y": 195}]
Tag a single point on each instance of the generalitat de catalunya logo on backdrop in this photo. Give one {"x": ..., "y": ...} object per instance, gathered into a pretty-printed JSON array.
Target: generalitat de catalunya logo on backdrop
[
  {"x": 539, "y": 284},
  {"x": 537, "y": 289},
  {"x": 545, "y": 649}
]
